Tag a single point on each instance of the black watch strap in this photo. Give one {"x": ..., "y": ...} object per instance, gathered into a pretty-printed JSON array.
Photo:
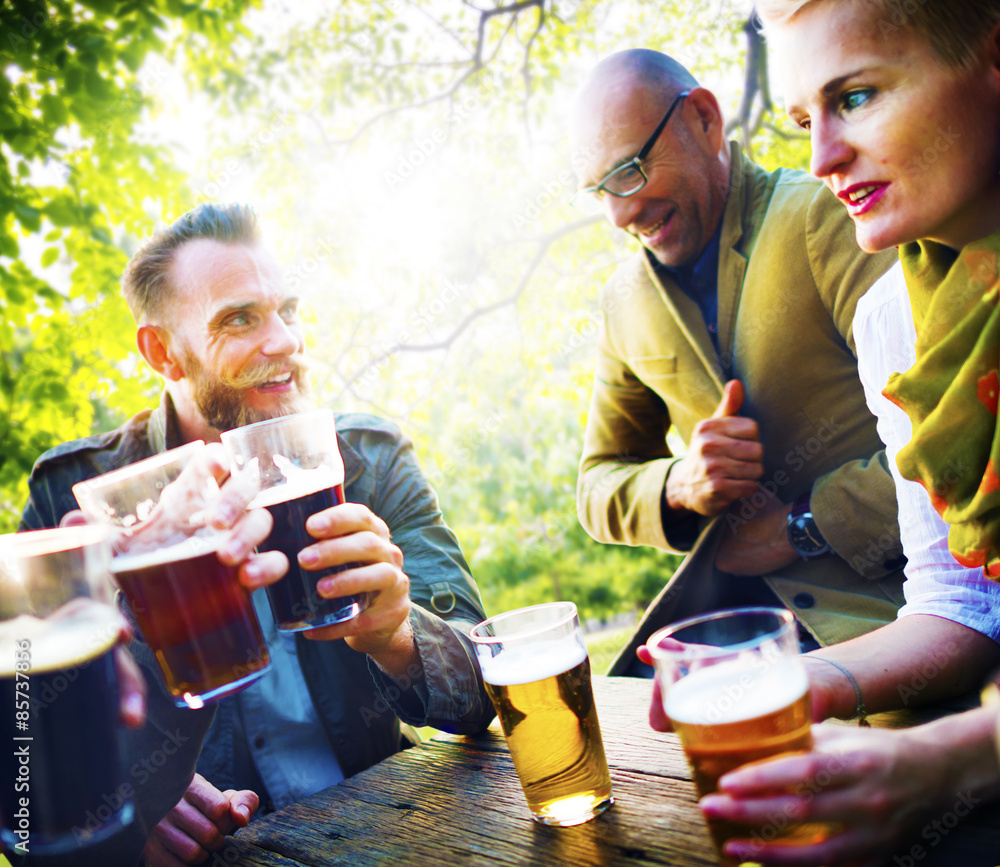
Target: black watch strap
[{"x": 803, "y": 534}]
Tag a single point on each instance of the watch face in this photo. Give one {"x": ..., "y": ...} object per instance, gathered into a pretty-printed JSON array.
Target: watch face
[{"x": 805, "y": 536}]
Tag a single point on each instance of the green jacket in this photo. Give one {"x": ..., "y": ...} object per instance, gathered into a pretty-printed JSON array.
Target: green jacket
[
  {"x": 357, "y": 704},
  {"x": 790, "y": 275}
]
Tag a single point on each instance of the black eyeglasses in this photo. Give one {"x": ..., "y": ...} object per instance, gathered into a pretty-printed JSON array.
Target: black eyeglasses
[{"x": 626, "y": 180}]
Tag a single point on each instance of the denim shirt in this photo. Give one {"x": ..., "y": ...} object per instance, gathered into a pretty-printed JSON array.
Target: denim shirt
[{"x": 358, "y": 705}]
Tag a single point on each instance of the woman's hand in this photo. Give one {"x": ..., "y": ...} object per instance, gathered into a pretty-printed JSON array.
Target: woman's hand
[{"x": 876, "y": 787}]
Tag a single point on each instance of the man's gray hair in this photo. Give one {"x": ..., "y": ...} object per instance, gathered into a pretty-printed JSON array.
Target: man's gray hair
[{"x": 146, "y": 281}]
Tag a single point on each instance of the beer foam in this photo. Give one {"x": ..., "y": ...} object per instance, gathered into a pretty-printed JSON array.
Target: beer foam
[
  {"x": 513, "y": 667},
  {"x": 191, "y": 547},
  {"x": 78, "y": 632},
  {"x": 735, "y": 691},
  {"x": 302, "y": 484}
]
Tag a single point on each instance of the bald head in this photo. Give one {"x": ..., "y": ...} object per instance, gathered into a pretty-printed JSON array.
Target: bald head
[
  {"x": 637, "y": 68},
  {"x": 608, "y": 94},
  {"x": 623, "y": 101}
]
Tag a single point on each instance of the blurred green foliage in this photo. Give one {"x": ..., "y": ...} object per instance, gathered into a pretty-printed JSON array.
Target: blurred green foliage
[
  {"x": 410, "y": 164},
  {"x": 76, "y": 182}
]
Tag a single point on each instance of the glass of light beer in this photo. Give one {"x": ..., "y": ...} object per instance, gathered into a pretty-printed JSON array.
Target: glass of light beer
[
  {"x": 190, "y": 607},
  {"x": 62, "y": 762},
  {"x": 537, "y": 673},
  {"x": 736, "y": 691},
  {"x": 296, "y": 465}
]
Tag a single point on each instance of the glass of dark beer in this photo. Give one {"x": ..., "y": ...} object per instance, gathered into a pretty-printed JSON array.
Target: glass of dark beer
[
  {"x": 296, "y": 465},
  {"x": 190, "y": 607},
  {"x": 63, "y": 784},
  {"x": 537, "y": 673},
  {"x": 735, "y": 690}
]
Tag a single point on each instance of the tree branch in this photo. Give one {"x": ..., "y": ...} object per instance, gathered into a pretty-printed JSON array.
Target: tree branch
[
  {"x": 544, "y": 242},
  {"x": 526, "y": 69},
  {"x": 476, "y": 61}
]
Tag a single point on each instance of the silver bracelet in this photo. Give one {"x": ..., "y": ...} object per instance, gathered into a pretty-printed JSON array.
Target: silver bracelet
[{"x": 860, "y": 711}]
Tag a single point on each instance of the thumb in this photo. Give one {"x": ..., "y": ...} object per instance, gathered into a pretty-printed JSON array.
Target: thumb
[
  {"x": 732, "y": 399},
  {"x": 242, "y": 805}
]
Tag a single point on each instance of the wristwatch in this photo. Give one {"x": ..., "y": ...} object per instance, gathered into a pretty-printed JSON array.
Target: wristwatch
[{"x": 803, "y": 534}]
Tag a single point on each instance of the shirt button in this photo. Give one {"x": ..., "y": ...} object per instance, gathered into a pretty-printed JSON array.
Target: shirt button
[
  {"x": 804, "y": 600},
  {"x": 259, "y": 742}
]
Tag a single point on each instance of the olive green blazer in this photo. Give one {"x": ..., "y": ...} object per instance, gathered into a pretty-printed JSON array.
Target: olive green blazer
[{"x": 790, "y": 275}]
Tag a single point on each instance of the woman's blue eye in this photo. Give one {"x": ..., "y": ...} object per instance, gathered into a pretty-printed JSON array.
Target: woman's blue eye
[{"x": 856, "y": 98}]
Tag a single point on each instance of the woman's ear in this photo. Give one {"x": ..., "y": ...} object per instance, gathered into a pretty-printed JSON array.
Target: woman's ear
[{"x": 154, "y": 344}]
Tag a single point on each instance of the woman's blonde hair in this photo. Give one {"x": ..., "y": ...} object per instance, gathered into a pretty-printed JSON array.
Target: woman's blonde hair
[{"x": 955, "y": 30}]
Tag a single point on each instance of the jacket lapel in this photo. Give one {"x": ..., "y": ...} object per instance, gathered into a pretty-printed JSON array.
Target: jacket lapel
[{"x": 732, "y": 260}]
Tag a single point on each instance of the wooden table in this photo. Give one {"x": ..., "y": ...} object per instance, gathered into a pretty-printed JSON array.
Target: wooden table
[{"x": 456, "y": 800}]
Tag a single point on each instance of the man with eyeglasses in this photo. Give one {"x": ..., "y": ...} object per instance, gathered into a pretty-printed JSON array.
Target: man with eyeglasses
[{"x": 731, "y": 327}]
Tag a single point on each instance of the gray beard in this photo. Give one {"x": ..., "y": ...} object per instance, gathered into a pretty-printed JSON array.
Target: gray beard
[
  {"x": 224, "y": 409},
  {"x": 223, "y": 405}
]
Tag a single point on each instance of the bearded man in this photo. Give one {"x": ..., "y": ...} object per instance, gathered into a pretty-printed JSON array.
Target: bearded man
[{"x": 217, "y": 323}]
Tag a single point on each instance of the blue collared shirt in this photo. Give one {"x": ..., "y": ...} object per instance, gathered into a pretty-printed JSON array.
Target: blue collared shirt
[
  {"x": 289, "y": 748},
  {"x": 700, "y": 282}
]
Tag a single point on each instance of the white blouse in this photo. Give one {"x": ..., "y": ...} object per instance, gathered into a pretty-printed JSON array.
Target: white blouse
[{"x": 935, "y": 582}]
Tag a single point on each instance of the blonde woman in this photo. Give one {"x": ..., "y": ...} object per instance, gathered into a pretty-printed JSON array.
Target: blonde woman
[{"x": 902, "y": 103}]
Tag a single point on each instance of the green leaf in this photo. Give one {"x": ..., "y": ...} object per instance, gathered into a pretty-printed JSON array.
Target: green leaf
[
  {"x": 9, "y": 247},
  {"x": 50, "y": 256},
  {"x": 101, "y": 234},
  {"x": 54, "y": 110},
  {"x": 14, "y": 293},
  {"x": 73, "y": 79},
  {"x": 28, "y": 217},
  {"x": 61, "y": 213},
  {"x": 133, "y": 54},
  {"x": 96, "y": 85}
]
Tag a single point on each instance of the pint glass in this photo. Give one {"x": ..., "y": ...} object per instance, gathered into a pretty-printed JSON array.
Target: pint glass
[
  {"x": 61, "y": 764},
  {"x": 190, "y": 607},
  {"x": 736, "y": 691},
  {"x": 537, "y": 673},
  {"x": 296, "y": 465}
]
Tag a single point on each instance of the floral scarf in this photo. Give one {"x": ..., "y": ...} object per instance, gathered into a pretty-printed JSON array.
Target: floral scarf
[{"x": 950, "y": 393}]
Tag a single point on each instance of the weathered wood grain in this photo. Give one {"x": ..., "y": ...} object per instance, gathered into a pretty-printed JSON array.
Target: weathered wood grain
[{"x": 456, "y": 800}]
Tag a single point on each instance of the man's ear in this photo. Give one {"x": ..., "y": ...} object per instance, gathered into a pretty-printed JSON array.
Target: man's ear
[
  {"x": 993, "y": 49},
  {"x": 708, "y": 126},
  {"x": 154, "y": 344}
]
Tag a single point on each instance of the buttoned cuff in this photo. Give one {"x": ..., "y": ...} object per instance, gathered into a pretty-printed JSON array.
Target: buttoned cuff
[{"x": 444, "y": 689}]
